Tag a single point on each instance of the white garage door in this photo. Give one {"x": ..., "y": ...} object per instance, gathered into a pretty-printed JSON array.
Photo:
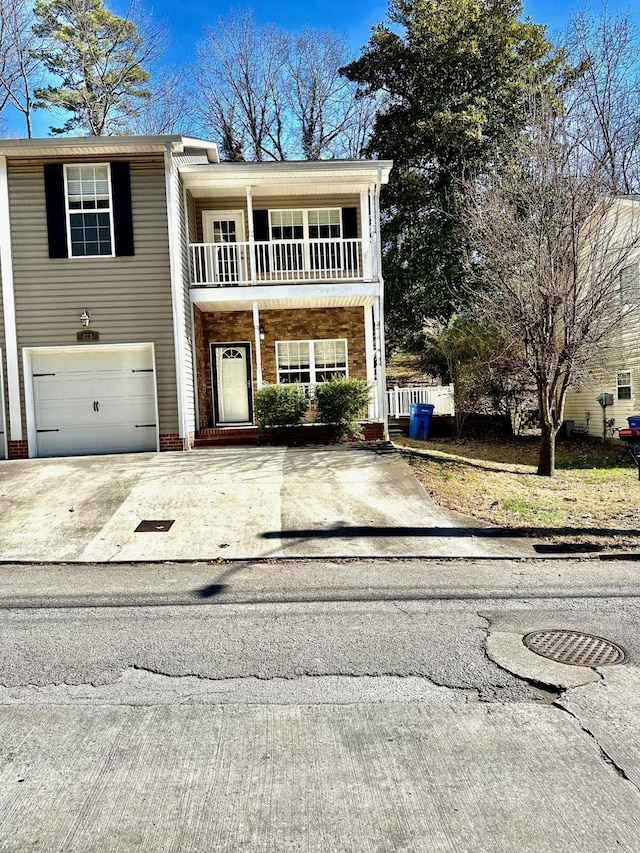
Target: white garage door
[{"x": 94, "y": 400}]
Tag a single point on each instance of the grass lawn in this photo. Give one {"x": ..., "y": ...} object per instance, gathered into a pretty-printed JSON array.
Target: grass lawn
[{"x": 594, "y": 499}]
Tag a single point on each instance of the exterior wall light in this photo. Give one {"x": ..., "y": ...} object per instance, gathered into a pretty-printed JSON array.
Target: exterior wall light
[
  {"x": 262, "y": 333},
  {"x": 85, "y": 318}
]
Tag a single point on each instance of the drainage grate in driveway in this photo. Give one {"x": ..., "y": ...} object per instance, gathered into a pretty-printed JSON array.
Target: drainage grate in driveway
[
  {"x": 575, "y": 648},
  {"x": 154, "y": 526}
]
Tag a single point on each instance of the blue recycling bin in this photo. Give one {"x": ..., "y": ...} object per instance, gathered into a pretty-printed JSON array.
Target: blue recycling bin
[
  {"x": 420, "y": 420},
  {"x": 634, "y": 422}
]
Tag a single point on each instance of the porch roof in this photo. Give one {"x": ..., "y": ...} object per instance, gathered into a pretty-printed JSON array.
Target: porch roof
[
  {"x": 285, "y": 178},
  {"x": 283, "y": 297}
]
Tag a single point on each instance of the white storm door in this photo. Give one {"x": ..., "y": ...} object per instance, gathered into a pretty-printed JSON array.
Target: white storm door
[
  {"x": 232, "y": 383},
  {"x": 225, "y": 231}
]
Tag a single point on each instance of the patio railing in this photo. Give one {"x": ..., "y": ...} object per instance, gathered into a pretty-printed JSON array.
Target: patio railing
[
  {"x": 440, "y": 396},
  {"x": 276, "y": 262}
]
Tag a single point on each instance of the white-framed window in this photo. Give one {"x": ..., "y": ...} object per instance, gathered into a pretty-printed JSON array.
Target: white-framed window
[
  {"x": 320, "y": 224},
  {"x": 623, "y": 382},
  {"x": 89, "y": 210},
  {"x": 630, "y": 284},
  {"x": 320, "y": 229},
  {"x": 309, "y": 362}
]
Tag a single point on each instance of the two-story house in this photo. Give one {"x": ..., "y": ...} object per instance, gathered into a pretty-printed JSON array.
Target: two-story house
[
  {"x": 617, "y": 373},
  {"x": 149, "y": 290}
]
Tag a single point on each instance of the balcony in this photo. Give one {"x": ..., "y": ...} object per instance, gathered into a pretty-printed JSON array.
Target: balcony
[{"x": 280, "y": 262}]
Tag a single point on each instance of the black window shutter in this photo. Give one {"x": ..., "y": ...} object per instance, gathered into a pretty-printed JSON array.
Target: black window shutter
[
  {"x": 122, "y": 218},
  {"x": 56, "y": 214},
  {"x": 261, "y": 225},
  {"x": 349, "y": 223},
  {"x": 261, "y": 235}
]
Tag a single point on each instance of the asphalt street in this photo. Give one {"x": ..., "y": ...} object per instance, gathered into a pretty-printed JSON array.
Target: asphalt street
[{"x": 320, "y": 706}]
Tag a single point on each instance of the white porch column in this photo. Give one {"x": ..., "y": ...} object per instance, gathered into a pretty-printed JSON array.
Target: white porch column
[
  {"x": 256, "y": 332},
  {"x": 375, "y": 234},
  {"x": 365, "y": 220},
  {"x": 252, "y": 240},
  {"x": 370, "y": 356},
  {"x": 9, "y": 309}
]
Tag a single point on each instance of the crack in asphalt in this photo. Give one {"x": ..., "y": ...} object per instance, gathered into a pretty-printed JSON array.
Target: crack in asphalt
[{"x": 548, "y": 693}]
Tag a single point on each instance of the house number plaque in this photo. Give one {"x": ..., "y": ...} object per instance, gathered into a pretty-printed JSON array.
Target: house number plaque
[{"x": 88, "y": 335}]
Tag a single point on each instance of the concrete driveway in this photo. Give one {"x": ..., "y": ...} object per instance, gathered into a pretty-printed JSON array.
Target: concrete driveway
[{"x": 233, "y": 503}]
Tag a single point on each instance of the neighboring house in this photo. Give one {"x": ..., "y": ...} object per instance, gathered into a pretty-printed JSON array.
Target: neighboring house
[
  {"x": 149, "y": 290},
  {"x": 619, "y": 375}
]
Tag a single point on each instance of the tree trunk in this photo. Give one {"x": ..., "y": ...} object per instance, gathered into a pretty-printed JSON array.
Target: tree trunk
[{"x": 547, "y": 455}]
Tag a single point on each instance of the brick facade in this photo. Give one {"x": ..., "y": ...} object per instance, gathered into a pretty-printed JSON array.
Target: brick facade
[
  {"x": 290, "y": 325},
  {"x": 18, "y": 449},
  {"x": 172, "y": 441}
]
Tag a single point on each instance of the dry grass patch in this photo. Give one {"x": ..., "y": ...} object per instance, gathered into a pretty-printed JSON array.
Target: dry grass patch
[{"x": 593, "y": 499}]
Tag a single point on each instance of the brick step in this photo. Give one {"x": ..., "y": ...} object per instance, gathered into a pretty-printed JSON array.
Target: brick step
[
  {"x": 310, "y": 434},
  {"x": 225, "y": 441}
]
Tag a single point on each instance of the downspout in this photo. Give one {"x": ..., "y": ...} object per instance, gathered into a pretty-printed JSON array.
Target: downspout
[
  {"x": 177, "y": 298},
  {"x": 382, "y": 365}
]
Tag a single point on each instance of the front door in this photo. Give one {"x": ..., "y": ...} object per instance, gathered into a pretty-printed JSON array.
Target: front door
[{"x": 232, "y": 383}]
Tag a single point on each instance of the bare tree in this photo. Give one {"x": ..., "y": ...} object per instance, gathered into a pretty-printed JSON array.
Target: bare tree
[
  {"x": 238, "y": 78},
  {"x": 267, "y": 94},
  {"x": 322, "y": 101},
  {"x": 604, "y": 96},
  {"x": 552, "y": 244},
  {"x": 169, "y": 109},
  {"x": 479, "y": 361},
  {"x": 21, "y": 68}
]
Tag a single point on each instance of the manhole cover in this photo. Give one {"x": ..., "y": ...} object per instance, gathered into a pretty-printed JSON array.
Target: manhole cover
[
  {"x": 575, "y": 648},
  {"x": 154, "y": 526}
]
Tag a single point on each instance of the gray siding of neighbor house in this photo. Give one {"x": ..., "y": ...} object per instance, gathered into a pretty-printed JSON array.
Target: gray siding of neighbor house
[{"x": 129, "y": 297}]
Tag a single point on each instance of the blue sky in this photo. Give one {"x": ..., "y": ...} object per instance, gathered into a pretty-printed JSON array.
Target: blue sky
[
  {"x": 352, "y": 17},
  {"x": 355, "y": 18}
]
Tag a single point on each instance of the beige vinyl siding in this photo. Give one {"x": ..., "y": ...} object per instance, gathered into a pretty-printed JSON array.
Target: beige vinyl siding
[
  {"x": 298, "y": 202},
  {"x": 129, "y": 297},
  {"x": 625, "y": 355}
]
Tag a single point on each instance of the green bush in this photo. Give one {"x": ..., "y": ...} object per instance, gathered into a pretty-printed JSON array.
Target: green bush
[
  {"x": 280, "y": 405},
  {"x": 342, "y": 402}
]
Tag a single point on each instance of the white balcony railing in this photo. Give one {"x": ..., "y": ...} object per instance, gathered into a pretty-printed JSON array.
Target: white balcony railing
[
  {"x": 276, "y": 262},
  {"x": 440, "y": 396}
]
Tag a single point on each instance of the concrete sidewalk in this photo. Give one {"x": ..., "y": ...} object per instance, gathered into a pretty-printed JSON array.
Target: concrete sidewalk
[{"x": 235, "y": 503}]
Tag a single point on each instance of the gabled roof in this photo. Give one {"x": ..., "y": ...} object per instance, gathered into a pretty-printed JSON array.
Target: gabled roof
[{"x": 83, "y": 146}]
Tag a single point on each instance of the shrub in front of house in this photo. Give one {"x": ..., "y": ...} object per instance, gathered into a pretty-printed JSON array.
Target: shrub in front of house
[
  {"x": 342, "y": 402},
  {"x": 280, "y": 405}
]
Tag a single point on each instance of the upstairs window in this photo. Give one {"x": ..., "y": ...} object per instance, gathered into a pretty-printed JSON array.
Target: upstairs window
[
  {"x": 325, "y": 224},
  {"x": 630, "y": 284},
  {"x": 89, "y": 210},
  {"x": 624, "y": 385}
]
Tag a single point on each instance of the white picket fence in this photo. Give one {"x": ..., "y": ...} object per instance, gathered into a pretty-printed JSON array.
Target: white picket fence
[{"x": 440, "y": 396}]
